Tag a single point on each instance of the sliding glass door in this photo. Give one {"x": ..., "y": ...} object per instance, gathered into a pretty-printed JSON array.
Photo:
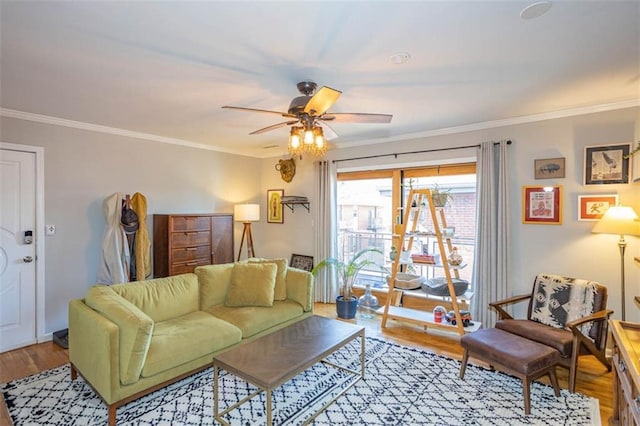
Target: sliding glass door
[
  {"x": 365, "y": 219},
  {"x": 370, "y": 203}
]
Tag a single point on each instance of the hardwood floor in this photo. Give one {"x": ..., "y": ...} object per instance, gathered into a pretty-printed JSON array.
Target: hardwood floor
[
  {"x": 593, "y": 379},
  {"x": 26, "y": 362}
]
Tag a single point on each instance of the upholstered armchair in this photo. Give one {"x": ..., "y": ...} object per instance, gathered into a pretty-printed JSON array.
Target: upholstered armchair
[{"x": 568, "y": 314}]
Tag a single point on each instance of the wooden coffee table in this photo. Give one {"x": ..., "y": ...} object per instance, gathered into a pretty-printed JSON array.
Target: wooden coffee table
[{"x": 271, "y": 360}]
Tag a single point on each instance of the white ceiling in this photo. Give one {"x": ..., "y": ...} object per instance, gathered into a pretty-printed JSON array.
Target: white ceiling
[{"x": 162, "y": 70}]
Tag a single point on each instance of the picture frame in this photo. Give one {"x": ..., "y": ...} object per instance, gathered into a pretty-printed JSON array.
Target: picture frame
[
  {"x": 593, "y": 207},
  {"x": 549, "y": 168},
  {"x": 606, "y": 164},
  {"x": 275, "y": 212},
  {"x": 301, "y": 261},
  {"x": 542, "y": 205}
]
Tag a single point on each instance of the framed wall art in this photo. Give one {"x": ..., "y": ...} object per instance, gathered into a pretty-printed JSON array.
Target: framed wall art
[
  {"x": 542, "y": 205},
  {"x": 548, "y": 168},
  {"x": 301, "y": 261},
  {"x": 606, "y": 164},
  {"x": 592, "y": 207},
  {"x": 276, "y": 213}
]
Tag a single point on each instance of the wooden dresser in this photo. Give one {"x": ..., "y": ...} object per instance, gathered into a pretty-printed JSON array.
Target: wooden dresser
[
  {"x": 626, "y": 373},
  {"x": 183, "y": 241}
]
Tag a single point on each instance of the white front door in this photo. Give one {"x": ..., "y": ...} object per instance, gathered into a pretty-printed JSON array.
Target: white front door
[{"x": 17, "y": 255}]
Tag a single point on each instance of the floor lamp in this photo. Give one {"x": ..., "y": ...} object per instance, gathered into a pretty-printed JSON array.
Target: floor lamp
[
  {"x": 619, "y": 220},
  {"x": 246, "y": 213}
]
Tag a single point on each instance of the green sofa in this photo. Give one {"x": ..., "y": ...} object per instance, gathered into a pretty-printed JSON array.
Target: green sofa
[{"x": 127, "y": 340}]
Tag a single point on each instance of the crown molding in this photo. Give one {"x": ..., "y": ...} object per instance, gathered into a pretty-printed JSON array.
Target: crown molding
[
  {"x": 55, "y": 121},
  {"x": 498, "y": 123},
  {"x": 39, "y": 118}
]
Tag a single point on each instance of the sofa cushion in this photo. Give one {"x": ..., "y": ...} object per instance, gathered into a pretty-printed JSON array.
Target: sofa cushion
[
  {"x": 255, "y": 319},
  {"x": 280, "y": 291},
  {"x": 517, "y": 353},
  {"x": 135, "y": 329},
  {"x": 181, "y": 340},
  {"x": 557, "y": 338},
  {"x": 252, "y": 284},
  {"x": 163, "y": 298},
  {"x": 214, "y": 283},
  {"x": 300, "y": 288}
]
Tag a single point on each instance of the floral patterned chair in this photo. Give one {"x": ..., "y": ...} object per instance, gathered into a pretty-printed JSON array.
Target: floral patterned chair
[{"x": 568, "y": 314}]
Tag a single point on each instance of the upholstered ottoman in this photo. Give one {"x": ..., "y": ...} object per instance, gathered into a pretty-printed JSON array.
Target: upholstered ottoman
[{"x": 512, "y": 354}]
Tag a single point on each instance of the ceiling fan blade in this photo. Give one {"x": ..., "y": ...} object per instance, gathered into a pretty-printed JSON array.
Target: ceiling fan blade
[
  {"x": 322, "y": 101},
  {"x": 283, "y": 114},
  {"x": 356, "y": 117},
  {"x": 328, "y": 132},
  {"x": 273, "y": 127}
]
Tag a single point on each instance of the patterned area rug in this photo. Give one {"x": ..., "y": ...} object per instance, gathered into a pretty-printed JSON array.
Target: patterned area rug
[{"x": 403, "y": 386}]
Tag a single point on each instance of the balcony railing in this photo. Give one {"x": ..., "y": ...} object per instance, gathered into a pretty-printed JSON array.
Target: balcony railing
[{"x": 351, "y": 242}]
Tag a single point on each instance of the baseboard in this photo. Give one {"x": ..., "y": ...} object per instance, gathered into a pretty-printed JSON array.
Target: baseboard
[{"x": 45, "y": 337}]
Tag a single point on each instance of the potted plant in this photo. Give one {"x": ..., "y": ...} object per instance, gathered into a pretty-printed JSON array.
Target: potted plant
[
  {"x": 346, "y": 302},
  {"x": 440, "y": 197}
]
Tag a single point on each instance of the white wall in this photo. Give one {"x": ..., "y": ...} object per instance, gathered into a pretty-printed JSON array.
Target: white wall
[
  {"x": 82, "y": 168},
  {"x": 569, "y": 249},
  {"x": 296, "y": 234}
]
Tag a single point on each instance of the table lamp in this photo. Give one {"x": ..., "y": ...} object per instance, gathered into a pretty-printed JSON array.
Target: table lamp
[
  {"x": 619, "y": 220},
  {"x": 246, "y": 213}
]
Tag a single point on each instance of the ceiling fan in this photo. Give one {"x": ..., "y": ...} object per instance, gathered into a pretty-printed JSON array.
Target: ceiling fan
[{"x": 308, "y": 116}]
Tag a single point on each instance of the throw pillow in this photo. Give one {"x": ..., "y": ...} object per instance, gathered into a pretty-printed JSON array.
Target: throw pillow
[
  {"x": 252, "y": 284},
  {"x": 559, "y": 300},
  {"x": 280, "y": 292}
]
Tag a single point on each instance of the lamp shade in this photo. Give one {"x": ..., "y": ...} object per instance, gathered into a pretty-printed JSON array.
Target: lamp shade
[
  {"x": 619, "y": 220},
  {"x": 246, "y": 212}
]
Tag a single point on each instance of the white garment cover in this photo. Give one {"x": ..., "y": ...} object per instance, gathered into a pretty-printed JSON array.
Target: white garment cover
[{"x": 115, "y": 251}]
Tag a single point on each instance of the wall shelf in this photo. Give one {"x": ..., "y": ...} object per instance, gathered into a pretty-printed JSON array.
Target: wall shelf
[{"x": 292, "y": 204}]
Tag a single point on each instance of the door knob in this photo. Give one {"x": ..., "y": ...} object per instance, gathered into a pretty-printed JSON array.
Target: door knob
[{"x": 27, "y": 259}]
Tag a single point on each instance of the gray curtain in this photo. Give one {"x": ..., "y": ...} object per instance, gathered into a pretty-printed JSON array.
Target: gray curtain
[
  {"x": 490, "y": 269},
  {"x": 326, "y": 244}
]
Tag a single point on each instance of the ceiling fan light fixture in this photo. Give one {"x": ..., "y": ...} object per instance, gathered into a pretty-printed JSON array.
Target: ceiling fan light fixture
[
  {"x": 308, "y": 137},
  {"x": 319, "y": 147},
  {"x": 310, "y": 141},
  {"x": 295, "y": 140},
  {"x": 318, "y": 137},
  {"x": 308, "y": 115}
]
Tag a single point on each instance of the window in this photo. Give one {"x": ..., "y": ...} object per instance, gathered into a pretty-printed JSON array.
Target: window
[
  {"x": 365, "y": 219},
  {"x": 370, "y": 203}
]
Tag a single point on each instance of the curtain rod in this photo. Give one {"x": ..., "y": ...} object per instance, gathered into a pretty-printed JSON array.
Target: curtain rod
[{"x": 395, "y": 154}]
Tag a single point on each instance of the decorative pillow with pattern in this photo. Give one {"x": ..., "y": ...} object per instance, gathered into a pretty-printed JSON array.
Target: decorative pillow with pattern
[{"x": 558, "y": 300}]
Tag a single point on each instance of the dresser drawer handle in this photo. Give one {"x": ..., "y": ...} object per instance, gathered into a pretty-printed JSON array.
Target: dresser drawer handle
[
  {"x": 192, "y": 263},
  {"x": 190, "y": 233},
  {"x": 191, "y": 248}
]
